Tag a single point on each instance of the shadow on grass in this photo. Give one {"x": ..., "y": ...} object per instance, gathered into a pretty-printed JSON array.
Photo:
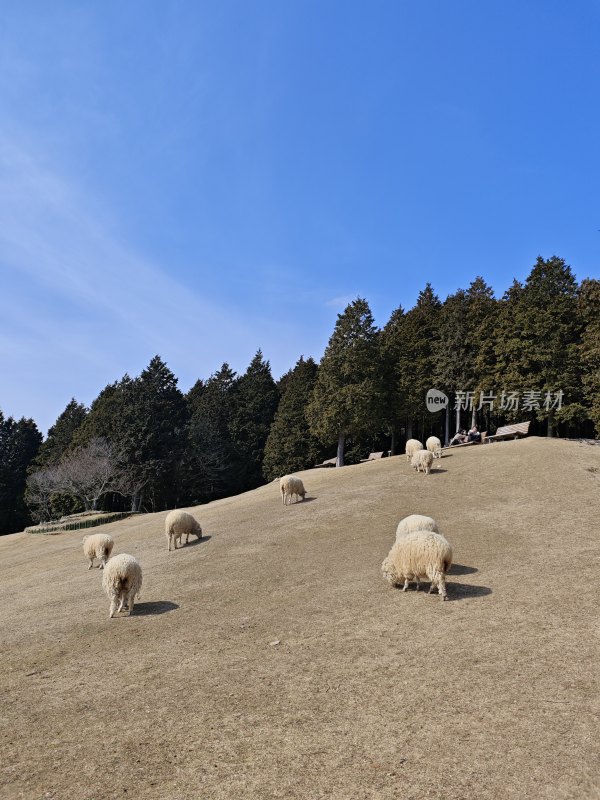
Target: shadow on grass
[
  {"x": 154, "y": 608},
  {"x": 193, "y": 542},
  {"x": 465, "y": 591},
  {"x": 299, "y": 502},
  {"x": 461, "y": 569}
]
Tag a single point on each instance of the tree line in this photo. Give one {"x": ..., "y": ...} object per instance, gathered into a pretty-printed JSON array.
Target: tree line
[{"x": 145, "y": 445}]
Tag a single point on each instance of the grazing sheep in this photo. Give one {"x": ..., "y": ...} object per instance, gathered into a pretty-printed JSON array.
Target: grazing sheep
[
  {"x": 122, "y": 581},
  {"x": 434, "y": 446},
  {"x": 180, "y": 523},
  {"x": 422, "y": 459},
  {"x": 420, "y": 554},
  {"x": 412, "y": 446},
  {"x": 415, "y": 522},
  {"x": 98, "y": 545},
  {"x": 290, "y": 485}
]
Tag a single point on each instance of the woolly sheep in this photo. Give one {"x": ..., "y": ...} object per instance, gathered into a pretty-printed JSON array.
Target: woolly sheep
[
  {"x": 290, "y": 485},
  {"x": 122, "y": 581},
  {"x": 98, "y": 545},
  {"x": 421, "y": 554},
  {"x": 415, "y": 522},
  {"x": 422, "y": 459},
  {"x": 180, "y": 523},
  {"x": 434, "y": 446},
  {"x": 412, "y": 446}
]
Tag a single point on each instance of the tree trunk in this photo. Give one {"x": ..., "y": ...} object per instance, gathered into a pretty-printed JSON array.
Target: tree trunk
[
  {"x": 473, "y": 418},
  {"x": 550, "y": 432},
  {"x": 447, "y": 435},
  {"x": 393, "y": 444},
  {"x": 409, "y": 430},
  {"x": 457, "y": 419},
  {"x": 340, "y": 451}
]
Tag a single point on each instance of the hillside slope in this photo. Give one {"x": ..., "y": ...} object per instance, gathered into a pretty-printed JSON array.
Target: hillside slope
[{"x": 370, "y": 692}]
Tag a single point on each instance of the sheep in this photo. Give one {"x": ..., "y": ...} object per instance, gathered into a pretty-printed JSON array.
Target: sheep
[
  {"x": 412, "y": 446},
  {"x": 420, "y": 554},
  {"x": 98, "y": 545},
  {"x": 178, "y": 523},
  {"x": 122, "y": 581},
  {"x": 422, "y": 459},
  {"x": 290, "y": 485},
  {"x": 434, "y": 446},
  {"x": 415, "y": 522}
]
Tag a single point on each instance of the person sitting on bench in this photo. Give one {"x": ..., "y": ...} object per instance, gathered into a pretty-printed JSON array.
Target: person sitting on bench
[
  {"x": 474, "y": 435},
  {"x": 460, "y": 437}
]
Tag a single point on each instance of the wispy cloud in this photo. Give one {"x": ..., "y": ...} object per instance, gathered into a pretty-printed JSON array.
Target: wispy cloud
[
  {"x": 74, "y": 294},
  {"x": 340, "y": 302}
]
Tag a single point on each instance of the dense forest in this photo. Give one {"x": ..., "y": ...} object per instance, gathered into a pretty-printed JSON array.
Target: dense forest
[{"x": 533, "y": 354}]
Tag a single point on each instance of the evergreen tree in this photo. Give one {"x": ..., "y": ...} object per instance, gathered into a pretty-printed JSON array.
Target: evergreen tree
[
  {"x": 395, "y": 401},
  {"x": 257, "y": 400},
  {"x": 416, "y": 361},
  {"x": 61, "y": 434},
  {"x": 210, "y": 466},
  {"x": 145, "y": 420},
  {"x": 348, "y": 397},
  {"x": 589, "y": 312},
  {"x": 450, "y": 355},
  {"x": 19, "y": 444},
  {"x": 290, "y": 445},
  {"x": 537, "y": 351}
]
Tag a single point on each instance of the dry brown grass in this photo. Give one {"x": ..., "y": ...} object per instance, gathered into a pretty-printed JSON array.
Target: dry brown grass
[{"x": 370, "y": 693}]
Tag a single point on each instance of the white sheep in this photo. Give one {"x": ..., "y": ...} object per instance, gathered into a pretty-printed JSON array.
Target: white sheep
[
  {"x": 122, "y": 581},
  {"x": 421, "y": 554},
  {"x": 415, "y": 522},
  {"x": 98, "y": 545},
  {"x": 422, "y": 460},
  {"x": 434, "y": 446},
  {"x": 290, "y": 485},
  {"x": 179, "y": 523},
  {"x": 412, "y": 446}
]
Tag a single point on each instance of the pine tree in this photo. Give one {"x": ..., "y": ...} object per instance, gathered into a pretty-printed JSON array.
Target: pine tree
[
  {"x": 537, "y": 349},
  {"x": 210, "y": 465},
  {"x": 589, "y": 312},
  {"x": 257, "y": 399},
  {"x": 348, "y": 397},
  {"x": 61, "y": 434},
  {"x": 395, "y": 402},
  {"x": 19, "y": 444},
  {"x": 416, "y": 364},
  {"x": 290, "y": 445},
  {"x": 450, "y": 355}
]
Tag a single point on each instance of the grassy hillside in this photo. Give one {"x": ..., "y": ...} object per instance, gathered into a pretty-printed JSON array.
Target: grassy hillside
[{"x": 369, "y": 693}]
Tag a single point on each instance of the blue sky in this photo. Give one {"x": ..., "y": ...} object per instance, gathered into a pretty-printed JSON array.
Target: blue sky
[{"x": 199, "y": 180}]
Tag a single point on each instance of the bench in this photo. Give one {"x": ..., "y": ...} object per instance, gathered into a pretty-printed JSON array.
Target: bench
[
  {"x": 484, "y": 438},
  {"x": 329, "y": 462},
  {"x": 510, "y": 432},
  {"x": 374, "y": 457}
]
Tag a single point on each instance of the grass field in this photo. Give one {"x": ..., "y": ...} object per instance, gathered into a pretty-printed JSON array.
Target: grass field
[{"x": 271, "y": 660}]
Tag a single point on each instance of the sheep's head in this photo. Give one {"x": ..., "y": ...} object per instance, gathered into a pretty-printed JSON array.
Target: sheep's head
[{"x": 389, "y": 571}]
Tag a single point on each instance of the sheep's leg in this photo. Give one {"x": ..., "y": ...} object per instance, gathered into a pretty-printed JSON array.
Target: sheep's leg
[
  {"x": 442, "y": 587},
  {"x": 405, "y": 587},
  {"x": 91, "y": 563},
  {"x": 122, "y": 603},
  {"x": 131, "y": 602},
  {"x": 418, "y": 582},
  {"x": 113, "y": 605}
]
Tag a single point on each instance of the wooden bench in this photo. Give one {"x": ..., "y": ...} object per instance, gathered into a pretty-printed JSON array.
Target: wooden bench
[
  {"x": 329, "y": 462},
  {"x": 484, "y": 438},
  {"x": 374, "y": 456},
  {"x": 510, "y": 432}
]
